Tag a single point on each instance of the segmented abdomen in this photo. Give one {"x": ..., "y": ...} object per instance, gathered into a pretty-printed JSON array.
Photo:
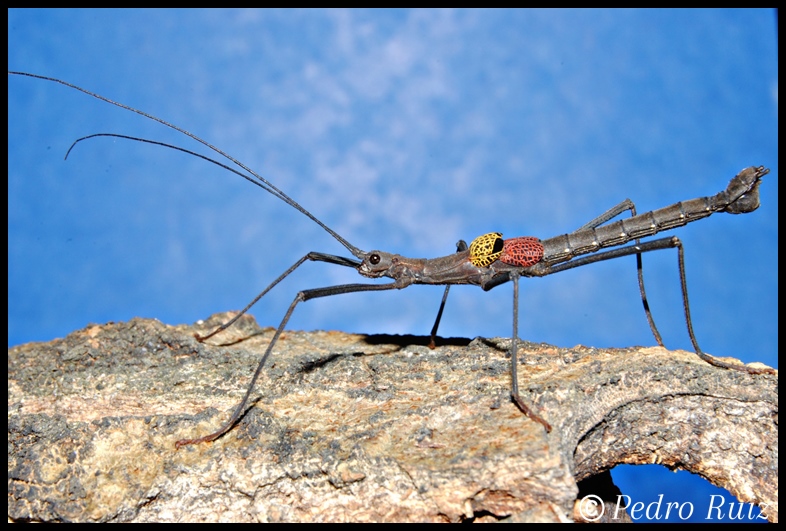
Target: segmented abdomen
[{"x": 525, "y": 251}]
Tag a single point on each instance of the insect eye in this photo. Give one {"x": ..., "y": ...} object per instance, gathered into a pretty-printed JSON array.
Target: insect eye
[{"x": 374, "y": 259}]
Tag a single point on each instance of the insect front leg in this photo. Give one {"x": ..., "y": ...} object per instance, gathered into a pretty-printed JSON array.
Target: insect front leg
[
  {"x": 300, "y": 297},
  {"x": 313, "y": 256}
]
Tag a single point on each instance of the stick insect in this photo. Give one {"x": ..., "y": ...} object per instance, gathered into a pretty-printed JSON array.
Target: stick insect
[{"x": 488, "y": 261}]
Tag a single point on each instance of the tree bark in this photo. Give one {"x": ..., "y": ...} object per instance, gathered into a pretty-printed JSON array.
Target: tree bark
[{"x": 347, "y": 427}]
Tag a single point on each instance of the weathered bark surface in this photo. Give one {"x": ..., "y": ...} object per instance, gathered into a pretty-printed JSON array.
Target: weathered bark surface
[{"x": 362, "y": 428}]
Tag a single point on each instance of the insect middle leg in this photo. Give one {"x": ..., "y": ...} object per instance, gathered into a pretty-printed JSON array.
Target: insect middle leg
[
  {"x": 514, "y": 389},
  {"x": 460, "y": 246}
]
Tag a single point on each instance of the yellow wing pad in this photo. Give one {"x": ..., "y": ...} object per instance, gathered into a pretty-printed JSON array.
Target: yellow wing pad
[{"x": 484, "y": 250}]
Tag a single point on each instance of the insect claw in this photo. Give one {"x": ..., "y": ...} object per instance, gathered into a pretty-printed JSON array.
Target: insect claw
[
  {"x": 530, "y": 413},
  {"x": 186, "y": 442},
  {"x": 736, "y": 365},
  {"x": 207, "y": 438}
]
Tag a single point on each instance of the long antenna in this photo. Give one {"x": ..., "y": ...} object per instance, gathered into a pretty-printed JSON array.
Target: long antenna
[{"x": 262, "y": 182}]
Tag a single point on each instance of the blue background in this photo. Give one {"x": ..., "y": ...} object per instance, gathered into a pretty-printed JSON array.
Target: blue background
[{"x": 405, "y": 131}]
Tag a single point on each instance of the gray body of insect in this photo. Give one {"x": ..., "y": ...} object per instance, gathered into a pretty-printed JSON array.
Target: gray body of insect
[{"x": 488, "y": 261}]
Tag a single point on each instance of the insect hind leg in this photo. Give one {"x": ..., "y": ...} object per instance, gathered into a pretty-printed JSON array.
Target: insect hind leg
[
  {"x": 656, "y": 245},
  {"x": 610, "y": 214}
]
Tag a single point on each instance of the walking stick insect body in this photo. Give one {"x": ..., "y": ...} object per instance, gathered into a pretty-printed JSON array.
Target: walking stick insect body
[{"x": 490, "y": 260}]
